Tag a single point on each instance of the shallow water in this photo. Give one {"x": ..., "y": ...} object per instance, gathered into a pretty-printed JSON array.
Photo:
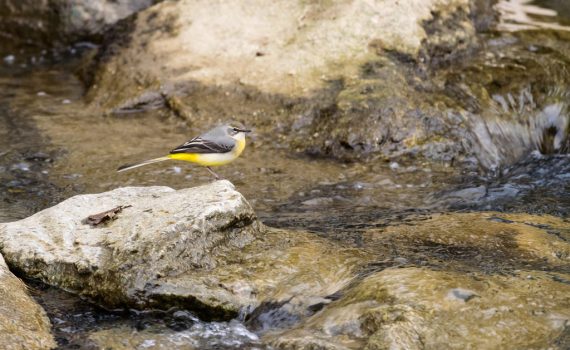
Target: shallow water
[
  {"x": 55, "y": 148},
  {"x": 52, "y": 146}
]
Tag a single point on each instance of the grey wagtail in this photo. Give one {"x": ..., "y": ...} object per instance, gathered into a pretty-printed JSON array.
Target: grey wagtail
[{"x": 218, "y": 146}]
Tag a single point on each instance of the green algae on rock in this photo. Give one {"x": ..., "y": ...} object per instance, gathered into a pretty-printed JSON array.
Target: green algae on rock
[
  {"x": 488, "y": 242},
  {"x": 23, "y": 323}
]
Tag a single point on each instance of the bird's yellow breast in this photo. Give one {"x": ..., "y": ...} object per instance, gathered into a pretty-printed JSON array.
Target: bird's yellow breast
[
  {"x": 211, "y": 159},
  {"x": 240, "y": 146}
]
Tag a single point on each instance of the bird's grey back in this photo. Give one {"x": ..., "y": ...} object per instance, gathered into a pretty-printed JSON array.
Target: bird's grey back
[
  {"x": 217, "y": 132},
  {"x": 220, "y": 136}
]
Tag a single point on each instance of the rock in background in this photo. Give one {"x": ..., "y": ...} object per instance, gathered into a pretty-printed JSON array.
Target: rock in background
[
  {"x": 347, "y": 79},
  {"x": 23, "y": 323},
  {"x": 46, "y": 23}
]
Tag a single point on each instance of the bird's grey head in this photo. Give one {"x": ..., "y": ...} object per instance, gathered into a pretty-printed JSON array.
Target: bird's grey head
[{"x": 235, "y": 130}]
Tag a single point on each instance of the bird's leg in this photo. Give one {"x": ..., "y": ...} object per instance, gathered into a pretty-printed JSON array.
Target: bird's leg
[{"x": 216, "y": 176}]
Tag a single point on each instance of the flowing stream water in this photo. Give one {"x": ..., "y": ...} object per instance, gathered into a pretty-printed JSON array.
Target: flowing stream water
[{"x": 52, "y": 147}]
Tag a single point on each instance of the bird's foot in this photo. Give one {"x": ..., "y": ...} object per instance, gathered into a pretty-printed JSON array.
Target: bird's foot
[{"x": 216, "y": 176}]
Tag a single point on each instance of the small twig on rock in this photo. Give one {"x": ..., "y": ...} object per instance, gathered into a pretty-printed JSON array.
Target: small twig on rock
[{"x": 100, "y": 218}]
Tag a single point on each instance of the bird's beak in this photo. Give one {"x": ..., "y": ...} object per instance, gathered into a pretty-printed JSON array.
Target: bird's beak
[{"x": 243, "y": 130}]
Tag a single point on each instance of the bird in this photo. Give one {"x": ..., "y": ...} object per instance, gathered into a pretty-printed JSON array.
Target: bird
[{"x": 219, "y": 146}]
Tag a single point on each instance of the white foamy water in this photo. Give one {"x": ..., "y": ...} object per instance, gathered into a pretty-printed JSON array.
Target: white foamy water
[{"x": 516, "y": 15}]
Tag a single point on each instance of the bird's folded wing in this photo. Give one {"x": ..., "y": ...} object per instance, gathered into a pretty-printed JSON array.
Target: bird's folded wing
[{"x": 199, "y": 145}]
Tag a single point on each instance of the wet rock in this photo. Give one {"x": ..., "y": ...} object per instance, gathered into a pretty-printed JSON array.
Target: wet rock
[
  {"x": 467, "y": 280},
  {"x": 512, "y": 111},
  {"x": 46, "y": 22},
  {"x": 408, "y": 308},
  {"x": 23, "y": 323},
  {"x": 200, "y": 248},
  {"x": 469, "y": 195},
  {"x": 536, "y": 185},
  {"x": 319, "y": 201}
]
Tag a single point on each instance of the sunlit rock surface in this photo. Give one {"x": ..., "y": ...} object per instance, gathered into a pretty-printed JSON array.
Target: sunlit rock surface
[
  {"x": 289, "y": 48},
  {"x": 200, "y": 248},
  {"x": 23, "y": 323},
  {"x": 350, "y": 79},
  {"x": 164, "y": 233}
]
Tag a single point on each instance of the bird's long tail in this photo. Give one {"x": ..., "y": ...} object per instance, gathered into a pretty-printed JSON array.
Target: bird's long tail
[{"x": 136, "y": 165}]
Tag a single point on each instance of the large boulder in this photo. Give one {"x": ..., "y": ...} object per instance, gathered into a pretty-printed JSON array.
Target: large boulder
[
  {"x": 288, "y": 48},
  {"x": 341, "y": 78},
  {"x": 200, "y": 248},
  {"x": 23, "y": 323}
]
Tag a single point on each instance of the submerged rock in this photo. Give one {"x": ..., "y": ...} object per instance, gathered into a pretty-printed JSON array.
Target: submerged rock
[
  {"x": 23, "y": 323},
  {"x": 200, "y": 248},
  {"x": 481, "y": 281},
  {"x": 481, "y": 242},
  {"x": 409, "y": 308}
]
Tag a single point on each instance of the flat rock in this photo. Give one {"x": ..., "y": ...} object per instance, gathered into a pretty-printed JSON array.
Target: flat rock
[
  {"x": 23, "y": 323},
  {"x": 164, "y": 233}
]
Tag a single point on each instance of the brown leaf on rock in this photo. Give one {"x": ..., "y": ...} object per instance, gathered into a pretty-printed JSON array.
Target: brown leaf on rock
[{"x": 103, "y": 217}]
